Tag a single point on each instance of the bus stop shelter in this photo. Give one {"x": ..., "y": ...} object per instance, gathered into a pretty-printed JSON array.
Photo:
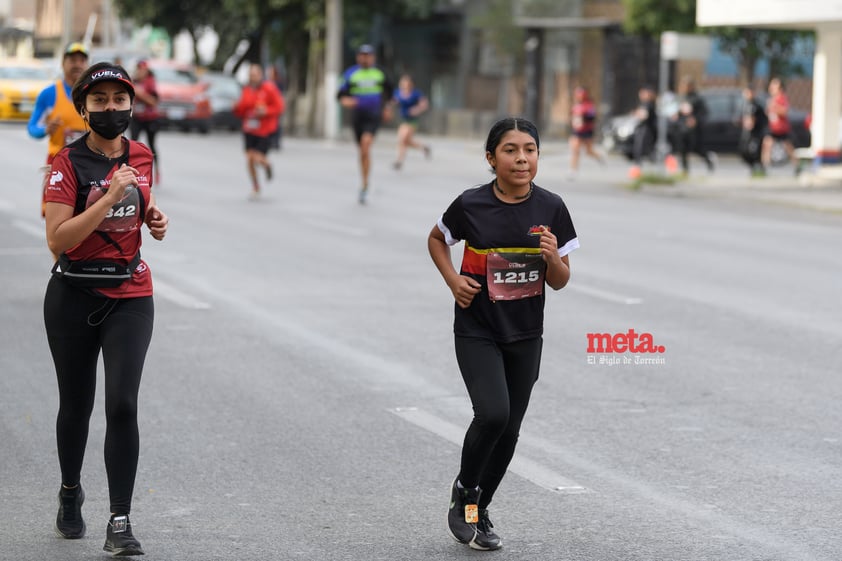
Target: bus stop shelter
[{"x": 822, "y": 16}]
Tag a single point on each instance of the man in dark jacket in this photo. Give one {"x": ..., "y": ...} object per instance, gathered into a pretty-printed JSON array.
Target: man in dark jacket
[
  {"x": 691, "y": 116},
  {"x": 754, "y": 123},
  {"x": 646, "y": 130}
]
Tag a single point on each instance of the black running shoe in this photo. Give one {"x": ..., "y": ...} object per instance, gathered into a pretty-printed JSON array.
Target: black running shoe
[
  {"x": 119, "y": 541},
  {"x": 69, "y": 522},
  {"x": 485, "y": 538},
  {"x": 463, "y": 513}
]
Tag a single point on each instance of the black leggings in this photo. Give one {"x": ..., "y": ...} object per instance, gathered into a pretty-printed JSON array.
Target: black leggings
[
  {"x": 79, "y": 325},
  {"x": 151, "y": 129},
  {"x": 499, "y": 378}
]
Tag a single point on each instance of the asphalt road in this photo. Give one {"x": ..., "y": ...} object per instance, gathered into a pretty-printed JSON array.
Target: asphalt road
[{"x": 301, "y": 399}]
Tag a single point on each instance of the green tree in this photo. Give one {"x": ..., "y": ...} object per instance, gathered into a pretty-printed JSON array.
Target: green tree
[
  {"x": 746, "y": 45},
  {"x": 653, "y": 17},
  {"x": 292, "y": 29},
  {"x": 750, "y": 45}
]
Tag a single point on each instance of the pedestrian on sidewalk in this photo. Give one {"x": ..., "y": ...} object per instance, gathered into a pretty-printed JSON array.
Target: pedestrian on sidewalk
[
  {"x": 366, "y": 92},
  {"x": 99, "y": 298},
  {"x": 517, "y": 237},
  {"x": 145, "y": 115},
  {"x": 689, "y": 130},
  {"x": 754, "y": 124},
  {"x": 645, "y": 131},
  {"x": 412, "y": 103},
  {"x": 582, "y": 125},
  {"x": 260, "y": 106},
  {"x": 779, "y": 128}
]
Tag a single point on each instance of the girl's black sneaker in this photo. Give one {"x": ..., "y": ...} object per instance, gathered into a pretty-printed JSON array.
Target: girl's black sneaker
[
  {"x": 462, "y": 514},
  {"x": 485, "y": 538},
  {"x": 119, "y": 540}
]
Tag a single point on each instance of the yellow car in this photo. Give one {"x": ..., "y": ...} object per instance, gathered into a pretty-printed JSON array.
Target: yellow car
[{"x": 20, "y": 83}]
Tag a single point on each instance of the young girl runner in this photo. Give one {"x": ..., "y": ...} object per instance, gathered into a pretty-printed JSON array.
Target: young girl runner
[{"x": 517, "y": 239}]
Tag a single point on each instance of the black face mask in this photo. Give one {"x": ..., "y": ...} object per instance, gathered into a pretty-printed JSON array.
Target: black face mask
[{"x": 109, "y": 124}]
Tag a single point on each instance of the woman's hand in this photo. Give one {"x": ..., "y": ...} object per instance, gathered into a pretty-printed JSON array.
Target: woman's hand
[
  {"x": 157, "y": 222},
  {"x": 121, "y": 180}
]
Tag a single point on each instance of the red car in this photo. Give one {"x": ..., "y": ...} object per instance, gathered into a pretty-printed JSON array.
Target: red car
[{"x": 183, "y": 99}]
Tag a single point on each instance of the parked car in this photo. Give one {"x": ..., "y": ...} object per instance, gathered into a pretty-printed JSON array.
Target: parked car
[
  {"x": 21, "y": 80},
  {"x": 184, "y": 102},
  {"x": 721, "y": 131},
  {"x": 223, "y": 92}
]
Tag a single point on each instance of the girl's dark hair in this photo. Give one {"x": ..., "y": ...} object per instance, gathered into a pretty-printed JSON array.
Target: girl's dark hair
[{"x": 503, "y": 126}]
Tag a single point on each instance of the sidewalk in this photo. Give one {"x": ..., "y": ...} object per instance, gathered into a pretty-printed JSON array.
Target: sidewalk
[
  {"x": 730, "y": 180},
  {"x": 820, "y": 191}
]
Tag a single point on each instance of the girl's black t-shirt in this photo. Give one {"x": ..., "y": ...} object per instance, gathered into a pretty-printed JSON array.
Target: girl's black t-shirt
[{"x": 502, "y": 253}]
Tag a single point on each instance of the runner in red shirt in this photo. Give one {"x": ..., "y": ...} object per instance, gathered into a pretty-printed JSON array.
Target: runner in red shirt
[
  {"x": 99, "y": 299},
  {"x": 582, "y": 123},
  {"x": 260, "y": 105},
  {"x": 780, "y": 130}
]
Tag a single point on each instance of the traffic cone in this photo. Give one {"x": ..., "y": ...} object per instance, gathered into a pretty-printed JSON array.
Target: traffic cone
[
  {"x": 671, "y": 164},
  {"x": 634, "y": 172}
]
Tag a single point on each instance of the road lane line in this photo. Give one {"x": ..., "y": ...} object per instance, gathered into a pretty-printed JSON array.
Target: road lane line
[
  {"x": 524, "y": 467},
  {"x": 30, "y": 228},
  {"x": 605, "y": 294},
  {"x": 17, "y": 251},
  {"x": 178, "y": 297},
  {"x": 327, "y": 226}
]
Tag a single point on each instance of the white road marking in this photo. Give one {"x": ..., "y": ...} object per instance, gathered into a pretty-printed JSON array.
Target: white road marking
[
  {"x": 178, "y": 297},
  {"x": 324, "y": 225},
  {"x": 605, "y": 294},
  {"x": 30, "y": 228},
  {"x": 524, "y": 467},
  {"x": 13, "y": 251}
]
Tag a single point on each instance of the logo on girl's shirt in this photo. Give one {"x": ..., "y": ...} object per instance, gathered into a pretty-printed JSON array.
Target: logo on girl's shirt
[{"x": 538, "y": 230}]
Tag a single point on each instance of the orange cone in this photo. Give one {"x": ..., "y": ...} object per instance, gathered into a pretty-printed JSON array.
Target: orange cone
[
  {"x": 634, "y": 172},
  {"x": 671, "y": 163}
]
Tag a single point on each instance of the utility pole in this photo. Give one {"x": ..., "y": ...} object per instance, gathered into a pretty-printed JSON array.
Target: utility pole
[
  {"x": 533, "y": 74},
  {"x": 333, "y": 59},
  {"x": 66, "y": 24}
]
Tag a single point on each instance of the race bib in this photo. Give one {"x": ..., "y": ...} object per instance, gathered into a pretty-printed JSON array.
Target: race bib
[
  {"x": 253, "y": 124},
  {"x": 512, "y": 276},
  {"x": 123, "y": 216}
]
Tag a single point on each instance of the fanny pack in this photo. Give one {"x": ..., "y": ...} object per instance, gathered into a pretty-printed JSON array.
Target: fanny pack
[{"x": 94, "y": 274}]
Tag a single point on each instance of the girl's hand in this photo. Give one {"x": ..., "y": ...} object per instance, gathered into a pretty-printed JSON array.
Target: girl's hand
[
  {"x": 549, "y": 247},
  {"x": 464, "y": 290}
]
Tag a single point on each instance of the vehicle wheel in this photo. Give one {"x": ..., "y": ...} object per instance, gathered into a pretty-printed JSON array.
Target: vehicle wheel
[{"x": 203, "y": 129}]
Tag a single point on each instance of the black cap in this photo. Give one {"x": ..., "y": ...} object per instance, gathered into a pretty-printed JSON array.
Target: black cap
[
  {"x": 108, "y": 73},
  {"x": 100, "y": 72}
]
